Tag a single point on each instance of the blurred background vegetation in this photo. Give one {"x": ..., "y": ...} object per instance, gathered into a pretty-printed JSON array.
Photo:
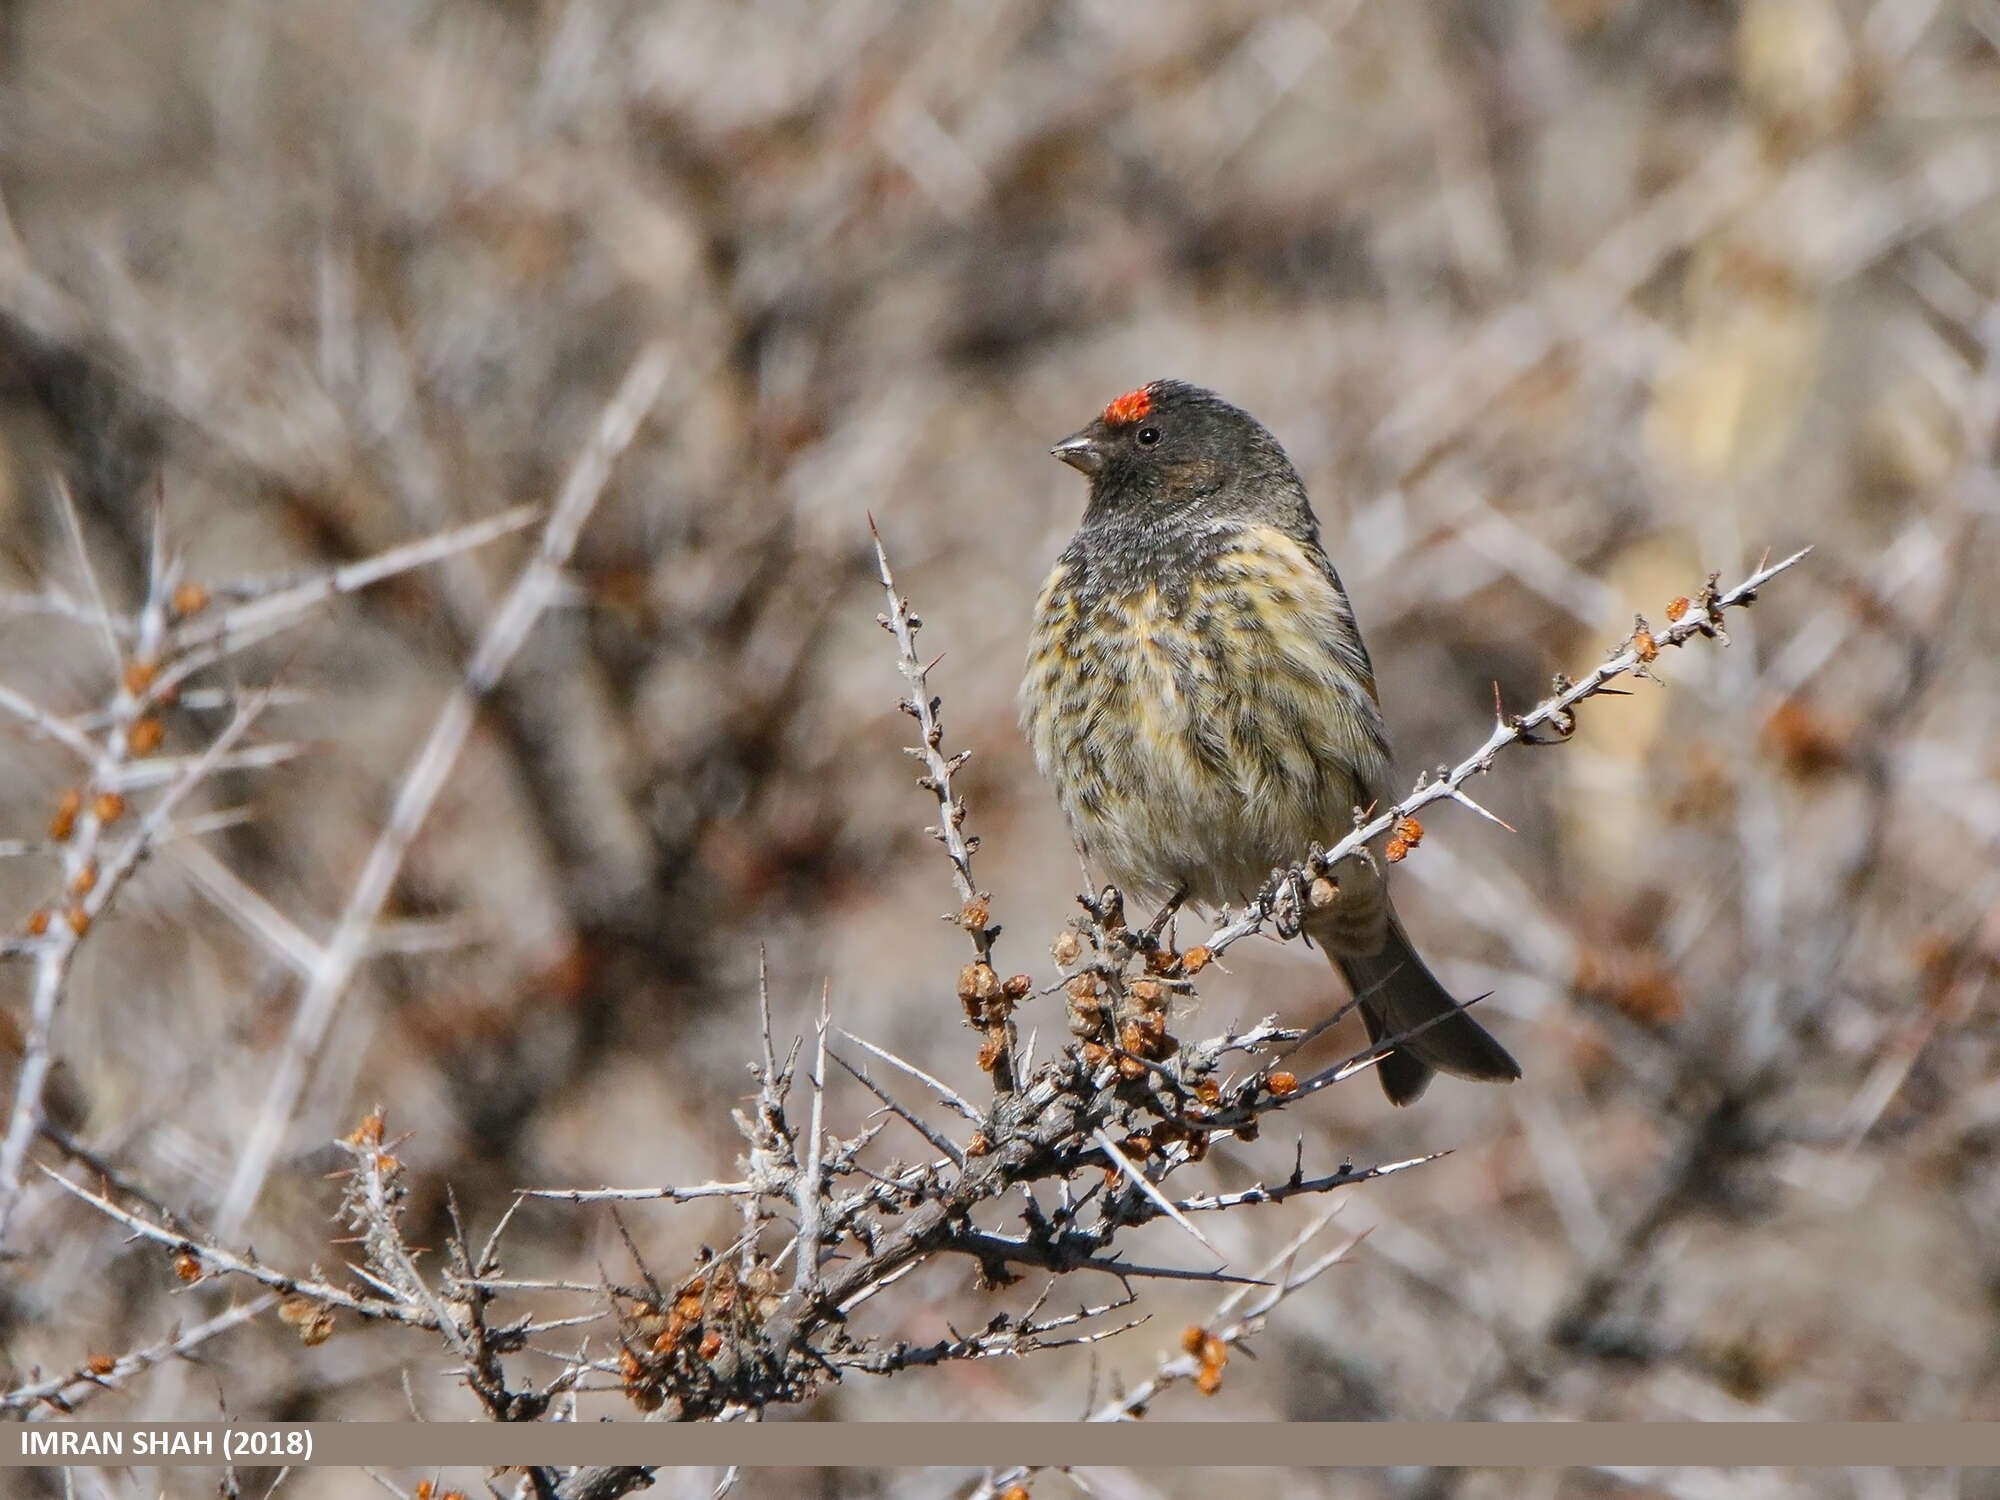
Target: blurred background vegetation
[{"x": 1558, "y": 304}]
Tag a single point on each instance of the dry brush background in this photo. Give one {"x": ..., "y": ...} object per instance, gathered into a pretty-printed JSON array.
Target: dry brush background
[{"x": 1559, "y": 306}]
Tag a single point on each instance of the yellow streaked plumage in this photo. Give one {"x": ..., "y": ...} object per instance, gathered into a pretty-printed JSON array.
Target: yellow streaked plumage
[
  {"x": 1198, "y": 695},
  {"x": 1191, "y": 735}
]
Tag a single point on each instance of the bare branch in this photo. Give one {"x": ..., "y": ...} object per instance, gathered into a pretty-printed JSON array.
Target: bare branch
[
  {"x": 46, "y": 723},
  {"x": 806, "y": 1188},
  {"x": 988, "y": 1001},
  {"x": 57, "y": 947},
  {"x": 643, "y": 1195},
  {"x": 1138, "y": 1179},
  {"x": 65, "y": 1393},
  {"x": 945, "y": 1092},
  {"x": 425, "y": 777},
  {"x": 1554, "y": 713}
]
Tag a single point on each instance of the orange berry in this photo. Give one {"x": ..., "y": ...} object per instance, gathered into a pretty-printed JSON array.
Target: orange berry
[
  {"x": 1282, "y": 1083},
  {"x": 1643, "y": 645},
  {"x": 64, "y": 822}
]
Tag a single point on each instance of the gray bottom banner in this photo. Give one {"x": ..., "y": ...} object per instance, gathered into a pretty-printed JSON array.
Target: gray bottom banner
[{"x": 959, "y": 1445}]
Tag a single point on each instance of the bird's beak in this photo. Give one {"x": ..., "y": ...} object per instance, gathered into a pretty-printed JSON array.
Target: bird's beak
[{"x": 1080, "y": 452}]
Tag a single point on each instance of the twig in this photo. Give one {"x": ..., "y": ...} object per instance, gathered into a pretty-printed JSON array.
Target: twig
[
  {"x": 945, "y": 1092},
  {"x": 269, "y": 604},
  {"x": 1554, "y": 713},
  {"x": 212, "y": 1257},
  {"x": 806, "y": 1185},
  {"x": 922, "y": 707},
  {"x": 987, "y": 1005},
  {"x": 100, "y": 612},
  {"x": 1159, "y": 1199},
  {"x": 425, "y": 777},
  {"x": 1229, "y": 1329},
  {"x": 55, "y": 950},
  {"x": 66, "y": 1393},
  {"x": 1297, "y": 1184},
  {"x": 44, "y": 722},
  {"x": 643, "y": 1195},
  {"x": 939, "y": 1142}
]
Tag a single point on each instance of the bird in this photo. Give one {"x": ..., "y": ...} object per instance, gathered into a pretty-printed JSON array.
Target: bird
[{"x": 1198, "y": 694}]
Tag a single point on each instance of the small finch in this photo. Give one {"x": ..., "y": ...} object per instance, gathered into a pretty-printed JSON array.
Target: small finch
[{"x": 1199, "y": 695}]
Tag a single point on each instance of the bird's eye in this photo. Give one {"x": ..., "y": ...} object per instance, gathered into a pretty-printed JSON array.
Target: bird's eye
[{"x": 1148, "y": 436}]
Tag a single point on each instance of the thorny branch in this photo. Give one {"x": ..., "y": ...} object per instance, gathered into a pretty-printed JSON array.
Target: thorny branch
[
  {"x": 988, "y": 1001},
  {"x": 91, "y": 891},
  {"x": 1084, "y": 1146},
  {"x": 427, "y": 773},
  {"x": 1726, "y": 1128},
  {"x": 65, "y": 1393},
  {"x": 1203, "y": 1350},
  {"x": 153, "y": 652},
  {"x": 1556, "y": 714}
]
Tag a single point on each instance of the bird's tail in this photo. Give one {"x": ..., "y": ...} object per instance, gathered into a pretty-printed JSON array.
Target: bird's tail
[{"x": 1397, "y": 994}]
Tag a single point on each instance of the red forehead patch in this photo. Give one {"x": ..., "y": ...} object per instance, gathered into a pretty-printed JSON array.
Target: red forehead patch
[{"x": 1129, "y": 407}]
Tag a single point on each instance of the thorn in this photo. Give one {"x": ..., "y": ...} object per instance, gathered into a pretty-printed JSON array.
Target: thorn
[
  {"x": 1460, "y": 797},
  {"x": 1139, "y": 1179}
]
